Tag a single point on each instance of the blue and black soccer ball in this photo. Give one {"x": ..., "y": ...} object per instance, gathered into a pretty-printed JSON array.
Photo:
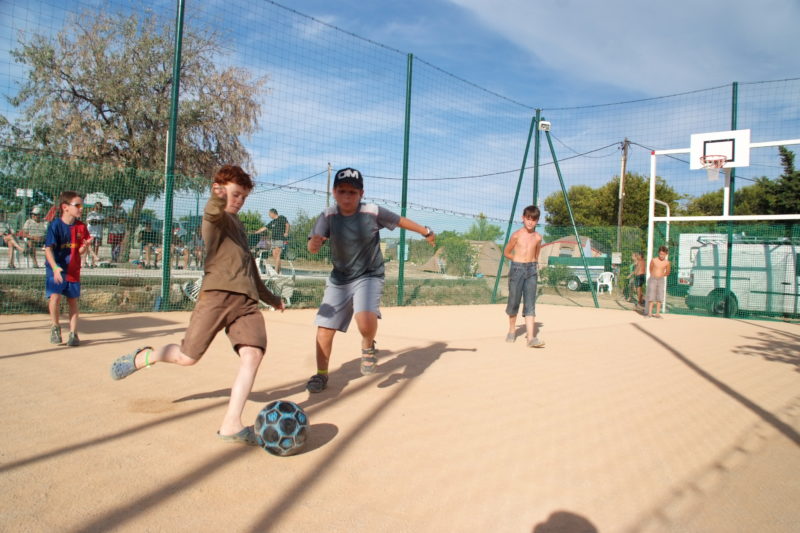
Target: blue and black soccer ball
[{"x": 282, "y": 427}]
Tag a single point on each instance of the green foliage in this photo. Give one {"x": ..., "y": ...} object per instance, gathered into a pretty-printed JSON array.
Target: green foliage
[
  {"x": 482, "y": 230},
  {"x": 460, "y": 258},
  {"x": 599, "y": 207},
  {"x": 99, "y": 91},
  {"x": 420, "y": 251},
  {"x": 554, "y": 275},
  {"x": 785, "y": 193},
  {"x": 298, "y": 238},
  {"x": 764, "y": 197}
]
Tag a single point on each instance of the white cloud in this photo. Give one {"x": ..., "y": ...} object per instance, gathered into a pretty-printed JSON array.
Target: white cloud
[{"x": 654, "y": 48}]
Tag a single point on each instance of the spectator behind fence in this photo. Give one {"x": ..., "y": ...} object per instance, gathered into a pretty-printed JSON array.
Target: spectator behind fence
[
  {"x": 150, "y": 240},
  {"x": 116, "y": 234},
  {"x": 197, "y": 248},
  {"x": 179, "y": 247},
  {"x": 278, "y": 229},
  {"x": 34, "y": 231},
  {"x": 95, "y": 221},
  {"x": 8, "y": 239}
]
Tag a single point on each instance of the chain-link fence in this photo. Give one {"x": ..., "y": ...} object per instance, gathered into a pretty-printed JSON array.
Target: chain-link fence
[{"x": 292, "y": 99}]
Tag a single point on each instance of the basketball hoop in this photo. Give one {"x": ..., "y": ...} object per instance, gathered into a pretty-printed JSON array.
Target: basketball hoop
[{"x": 713, "y": 164}]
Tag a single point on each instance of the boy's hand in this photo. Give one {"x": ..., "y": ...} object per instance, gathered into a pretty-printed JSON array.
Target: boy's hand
[
  {"x": 219, "y": 190},
  {"x": 315, "y": 243},
  {"x": 57, "y": 275}
]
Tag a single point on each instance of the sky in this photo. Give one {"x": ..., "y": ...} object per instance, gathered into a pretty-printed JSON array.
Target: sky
[
  {"x": 540, "y": 53},
  {"x": 556, "y": 53}
]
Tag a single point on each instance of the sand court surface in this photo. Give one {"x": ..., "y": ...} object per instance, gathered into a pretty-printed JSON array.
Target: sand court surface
[{"x": 620, "y": 424}]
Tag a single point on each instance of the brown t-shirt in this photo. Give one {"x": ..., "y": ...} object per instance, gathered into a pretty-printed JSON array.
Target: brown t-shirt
[{"x": 229, "y": 265}]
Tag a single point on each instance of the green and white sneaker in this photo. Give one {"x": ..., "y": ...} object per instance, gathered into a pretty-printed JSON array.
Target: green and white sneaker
[
  {"x": 55, "y": 335},
  {"x": 73, "y": 339}
]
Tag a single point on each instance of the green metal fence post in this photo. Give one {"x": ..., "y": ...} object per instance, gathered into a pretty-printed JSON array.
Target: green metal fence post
[
  {"x": 401, "y": 246},
  {"x": 534, "y": 126},
  {"x": 572, "y": 220},
  {"x": 169, "y": 167},
  {"x": 536, "y": 146},
  {"x": 729, "y": 250}
]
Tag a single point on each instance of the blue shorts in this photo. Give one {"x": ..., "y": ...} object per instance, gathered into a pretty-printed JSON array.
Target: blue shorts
[
  {"x": 340, "y": 302},
  {"x": 70, "y": 289},
  {"x": 522, "y": 281}
]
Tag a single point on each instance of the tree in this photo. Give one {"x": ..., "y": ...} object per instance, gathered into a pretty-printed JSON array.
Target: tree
[
  {"x": 598, "y": 207},
  {"x": 481, "y": 230},
  {"x": 99, "y": 91},
  {"x": 785, "y": 192},
  {"x": 748, "y": 200}
]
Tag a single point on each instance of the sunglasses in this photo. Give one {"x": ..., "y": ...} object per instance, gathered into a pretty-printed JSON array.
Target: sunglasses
[{"x": 78, "y": 205}]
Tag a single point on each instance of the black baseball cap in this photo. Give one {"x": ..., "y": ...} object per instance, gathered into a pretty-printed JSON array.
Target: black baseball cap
[{"x": 349, "y": 176}]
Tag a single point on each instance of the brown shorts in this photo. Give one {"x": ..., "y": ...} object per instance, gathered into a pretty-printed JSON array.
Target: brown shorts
[{"x": 236, "y": 313}]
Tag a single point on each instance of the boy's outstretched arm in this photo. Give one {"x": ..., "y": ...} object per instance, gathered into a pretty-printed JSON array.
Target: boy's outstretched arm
[{"x": 425, "y": 231}]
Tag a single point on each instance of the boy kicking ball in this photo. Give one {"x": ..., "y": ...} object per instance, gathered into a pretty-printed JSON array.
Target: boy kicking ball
[{"x": 228, "y": 300}]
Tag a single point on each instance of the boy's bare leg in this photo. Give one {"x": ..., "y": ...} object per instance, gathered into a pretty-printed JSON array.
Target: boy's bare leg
[
  {"x": 512, "y": 324},
  {"x": 54, "y": 306},
  {"x": 367, "y": 323},
  {"x": 276, "y": 256},
  {"x": 73, "y": 314},
  {"x": 324, "y": 347},
  {"x": 249, "y": 360},
  {"x": 530, "y": 326}
]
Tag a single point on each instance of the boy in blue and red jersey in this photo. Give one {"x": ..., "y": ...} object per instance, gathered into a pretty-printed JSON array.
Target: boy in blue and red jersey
[{"x": 66, "y": 241}]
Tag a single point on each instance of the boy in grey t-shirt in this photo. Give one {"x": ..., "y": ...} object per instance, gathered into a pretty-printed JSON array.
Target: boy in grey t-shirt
[{"x": 355, "y": 285}]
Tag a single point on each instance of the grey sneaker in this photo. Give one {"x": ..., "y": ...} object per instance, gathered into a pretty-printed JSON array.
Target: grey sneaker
[
  {"x": 317, "y": 383},
  {"x": 535, "y": 343},
  {"x": 73, "y": 339},
  {"x": 55, "y": 335},
  {"x": 511, "y": 337}
]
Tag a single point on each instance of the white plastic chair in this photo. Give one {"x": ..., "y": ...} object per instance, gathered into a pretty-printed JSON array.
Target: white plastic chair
[{"x": 605, "y": 279}]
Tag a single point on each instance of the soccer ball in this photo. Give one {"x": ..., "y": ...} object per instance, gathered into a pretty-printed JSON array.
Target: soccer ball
[{"x": 281, "y": 428}]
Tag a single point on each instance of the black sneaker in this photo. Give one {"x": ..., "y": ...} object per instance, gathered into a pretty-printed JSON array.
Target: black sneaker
[{"x": 317, "y": 383}]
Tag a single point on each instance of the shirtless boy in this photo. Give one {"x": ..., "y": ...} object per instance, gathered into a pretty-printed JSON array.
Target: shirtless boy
[
  {"x": 656, "y": 285},
  {"x": 523, "y": 251}
]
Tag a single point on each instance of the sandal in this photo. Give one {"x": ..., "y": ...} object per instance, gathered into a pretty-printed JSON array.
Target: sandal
[
  {"x": 246, "y": 436},
  {"x": 125, "y": 365},
  {"x": 368, "y": 360},
  {"x": 317, "y": 383}
]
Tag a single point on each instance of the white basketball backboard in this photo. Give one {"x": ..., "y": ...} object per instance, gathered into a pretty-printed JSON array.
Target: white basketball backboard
[{"x": 733, "y": 144}]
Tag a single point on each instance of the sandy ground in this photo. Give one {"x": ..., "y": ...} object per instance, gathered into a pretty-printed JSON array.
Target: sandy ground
[{"x": 621, "y": 424}]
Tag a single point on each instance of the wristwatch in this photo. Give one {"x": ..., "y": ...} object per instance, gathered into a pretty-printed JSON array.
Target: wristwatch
[{"x": 430, "y": 232}]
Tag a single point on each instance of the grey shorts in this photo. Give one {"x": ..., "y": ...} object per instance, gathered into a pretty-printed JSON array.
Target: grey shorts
[
  {"x": 340, "y": 302},
  {"x": 655, "y": 289}
]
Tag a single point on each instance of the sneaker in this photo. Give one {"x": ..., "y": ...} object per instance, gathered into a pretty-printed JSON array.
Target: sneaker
[
  {"x": 511, "y": 337},
  {"x": 317, "y": 383},
  {"x": 55, "y": 335},
  {"x": 535, "y": 343},
  {"x": 73, "y": 339}
]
